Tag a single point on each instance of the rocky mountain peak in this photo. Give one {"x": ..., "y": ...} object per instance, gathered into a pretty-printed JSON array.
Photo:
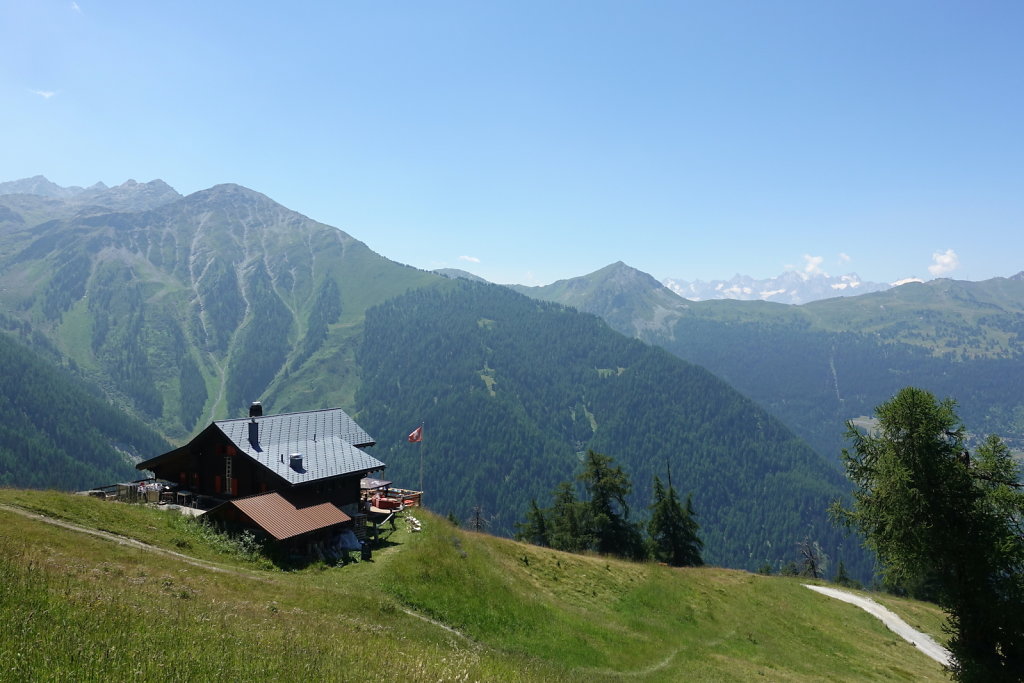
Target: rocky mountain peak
[
  {"x": 625, "y": 277},
  {"x": 40, "y": 186},
  {"x": 128, "y": 196}
]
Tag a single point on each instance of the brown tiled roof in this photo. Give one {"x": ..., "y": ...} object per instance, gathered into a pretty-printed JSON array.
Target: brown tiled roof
[{"x": 282, "y": 520}]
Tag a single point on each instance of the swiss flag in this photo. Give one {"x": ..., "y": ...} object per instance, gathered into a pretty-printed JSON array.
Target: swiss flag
[{"x": 417, "y": 435}]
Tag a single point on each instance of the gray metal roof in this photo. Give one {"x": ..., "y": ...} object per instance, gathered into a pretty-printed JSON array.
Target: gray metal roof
[{"x": 328, "y": 440}]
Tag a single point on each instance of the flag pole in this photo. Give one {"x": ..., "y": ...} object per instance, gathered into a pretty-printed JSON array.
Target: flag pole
[{"x": 417, "y": 437}]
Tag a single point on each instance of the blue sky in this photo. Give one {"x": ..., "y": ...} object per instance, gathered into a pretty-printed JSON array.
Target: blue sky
[{"x": 533, "y": 141}]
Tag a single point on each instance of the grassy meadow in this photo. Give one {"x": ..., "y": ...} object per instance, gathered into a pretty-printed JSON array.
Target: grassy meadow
[{"x": 443, "y": 604}]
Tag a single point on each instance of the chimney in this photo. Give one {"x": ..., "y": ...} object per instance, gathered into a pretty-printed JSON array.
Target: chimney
[
  {"x": 296, "y": 461},
  {"x": 256, "y": 409}
]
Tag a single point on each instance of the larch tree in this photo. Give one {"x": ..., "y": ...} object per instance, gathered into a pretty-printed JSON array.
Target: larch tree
[
  {"x": 608, "y": 510},
  {"x": 937, "y": 514}
]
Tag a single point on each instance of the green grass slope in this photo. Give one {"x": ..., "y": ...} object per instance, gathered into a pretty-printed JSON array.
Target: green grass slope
[
  {"x": 443, "y": 604},
  {"x": 956, "y": 319}
]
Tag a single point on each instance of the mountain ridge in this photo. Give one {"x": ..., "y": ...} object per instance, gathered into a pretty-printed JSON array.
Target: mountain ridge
[
  {"x": 152, "y": 302},
  {"x": 128, "y": 196},
  {"x": 818, "y": 364}
]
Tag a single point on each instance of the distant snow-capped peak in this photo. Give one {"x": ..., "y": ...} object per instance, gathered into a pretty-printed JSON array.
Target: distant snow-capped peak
[{"x": 791, "y": 287}]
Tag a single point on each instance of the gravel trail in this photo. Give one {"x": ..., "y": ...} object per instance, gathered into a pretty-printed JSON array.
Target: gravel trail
[{"x": 922, "y": 641}]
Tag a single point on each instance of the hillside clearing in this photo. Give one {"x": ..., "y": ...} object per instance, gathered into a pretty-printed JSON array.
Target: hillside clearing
[{"x": 442, "y": 604}]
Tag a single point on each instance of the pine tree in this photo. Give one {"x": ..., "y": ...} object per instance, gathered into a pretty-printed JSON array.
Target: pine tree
[
  {"x": 608, "y": 510},
  {"x": 566, "y": 521},
  {"x": 843, "y": 579},
  {"x": 672, "y": 529},
  {"x": 535, "y": 529}
]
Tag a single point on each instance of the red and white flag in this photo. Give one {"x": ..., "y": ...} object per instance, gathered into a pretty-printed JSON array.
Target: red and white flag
[{"x": 417, "y": 435}]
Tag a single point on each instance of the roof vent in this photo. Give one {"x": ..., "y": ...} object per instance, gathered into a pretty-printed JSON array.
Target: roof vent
[
  {"x": 256, "y": 409},
  {"x": 296, "y": 461}
]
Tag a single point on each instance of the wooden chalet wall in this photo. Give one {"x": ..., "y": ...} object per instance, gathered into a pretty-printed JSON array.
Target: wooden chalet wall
[
  {"x": 338, "y": 490},
  {"x": 201, "y": 466}
]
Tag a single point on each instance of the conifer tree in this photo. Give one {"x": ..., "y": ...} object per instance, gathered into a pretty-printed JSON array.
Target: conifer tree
[
  {"x": 931, "y": 509},
  {"x": 672, "y": 529},
  {"x": 842, "y": 578},
  {"x": 608, "y": 510},
  {"x": 535, "y": 529},
  {"x": 566, "y": 521}
]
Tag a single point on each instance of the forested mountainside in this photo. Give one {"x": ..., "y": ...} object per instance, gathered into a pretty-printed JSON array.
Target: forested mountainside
[
  {"x": 56, "y": 431},
  {"x": 513, "y": 391},
  {"x": 192, "y": 308},
  {"x": 188, "y": 310},
  {"x": 817, "y": 365}
]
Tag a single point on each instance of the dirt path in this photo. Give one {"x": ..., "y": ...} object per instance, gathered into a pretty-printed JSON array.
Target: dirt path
[
  {"x": 436, "y": 623},
  {"x": 130, "y": 542},
  {"x": 922, "y": 641}
]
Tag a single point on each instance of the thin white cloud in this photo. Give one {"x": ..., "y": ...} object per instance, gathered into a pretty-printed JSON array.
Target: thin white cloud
[
  {"x": 45, "y": 94},
  {"x": 944, "y": 263},
  {"x": 75, "y": 7},
  {"x": 470, "y": 259},
  {"x": 905, "y": 281},
  {"x": 844, "y": 257},
  {"x": 812, "y": 265}
]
